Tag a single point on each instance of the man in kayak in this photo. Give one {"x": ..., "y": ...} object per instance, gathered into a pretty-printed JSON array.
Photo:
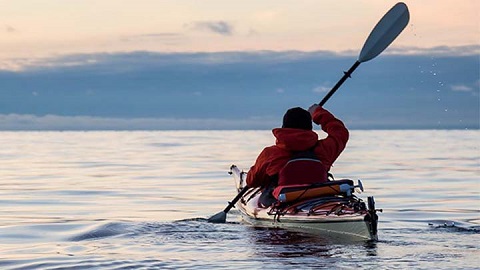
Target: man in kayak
[{"x": 297, "y": 141}]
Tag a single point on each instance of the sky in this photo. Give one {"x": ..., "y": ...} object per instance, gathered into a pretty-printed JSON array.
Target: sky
[
  {"x": 45, "y": 28},
  {"x": 82, "y": 61}
]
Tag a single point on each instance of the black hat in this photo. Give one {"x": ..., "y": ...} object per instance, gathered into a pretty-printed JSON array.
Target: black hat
[{"x": 297, "y": 118}]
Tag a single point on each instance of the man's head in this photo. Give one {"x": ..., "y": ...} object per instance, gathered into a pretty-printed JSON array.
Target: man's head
[{"x": 297, "y": 118}]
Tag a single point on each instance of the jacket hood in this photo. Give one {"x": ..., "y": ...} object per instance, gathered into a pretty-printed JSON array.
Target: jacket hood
[{"x": 292, "y": 139}]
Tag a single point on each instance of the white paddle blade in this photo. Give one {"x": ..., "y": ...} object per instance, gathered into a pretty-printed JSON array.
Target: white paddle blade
[{"x": 385, "y": 32}]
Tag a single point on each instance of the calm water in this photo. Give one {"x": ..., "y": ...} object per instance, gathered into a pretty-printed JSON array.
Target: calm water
[{"x": 121, "y": 200}]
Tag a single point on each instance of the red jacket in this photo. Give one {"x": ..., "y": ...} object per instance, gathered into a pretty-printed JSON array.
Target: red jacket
[{"x": 273, "y": 158}]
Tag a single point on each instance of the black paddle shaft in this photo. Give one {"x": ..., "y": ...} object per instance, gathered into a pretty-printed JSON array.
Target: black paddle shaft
[
  {"x": 346, "y": 75},
  {"x": 235, "y": 200}
]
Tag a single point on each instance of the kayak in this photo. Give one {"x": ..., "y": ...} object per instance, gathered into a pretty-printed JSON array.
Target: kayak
[{"x": 328, "y": 209}]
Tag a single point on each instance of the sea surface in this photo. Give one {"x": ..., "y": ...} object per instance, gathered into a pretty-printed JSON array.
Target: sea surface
[{"x": 140, "y": 200}]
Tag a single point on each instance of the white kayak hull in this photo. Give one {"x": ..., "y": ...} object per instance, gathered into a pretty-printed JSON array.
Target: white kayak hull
[{"x": 355, "y": 225}]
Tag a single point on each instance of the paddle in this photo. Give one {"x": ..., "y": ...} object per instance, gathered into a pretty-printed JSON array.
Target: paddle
[
  {"x": 221, "y": 217},
  {"x": 384, "y": 33}
]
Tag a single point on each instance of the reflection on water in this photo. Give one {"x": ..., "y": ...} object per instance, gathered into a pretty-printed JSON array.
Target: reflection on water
[
  {"x": 275, "y": 242},
  {"x": 115, "y": 200}
]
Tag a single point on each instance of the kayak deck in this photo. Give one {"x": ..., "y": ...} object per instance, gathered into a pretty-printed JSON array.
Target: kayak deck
[{"x": 325, "y": 215}]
